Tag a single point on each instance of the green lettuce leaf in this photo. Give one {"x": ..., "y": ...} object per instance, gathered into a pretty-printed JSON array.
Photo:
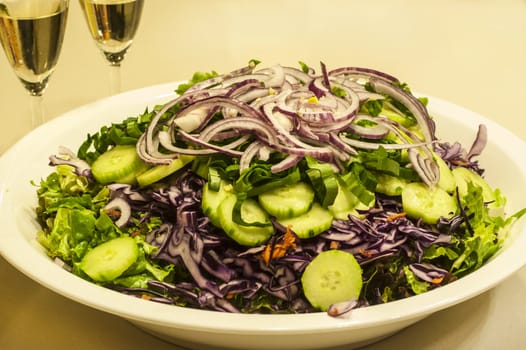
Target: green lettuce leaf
[
  {"x": 417, "y": 286},
  {"x": 484, "y": 232}
]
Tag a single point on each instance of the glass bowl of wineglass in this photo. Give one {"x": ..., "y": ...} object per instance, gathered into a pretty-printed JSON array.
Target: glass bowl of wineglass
[
  {"x": 31, "y": 32},
  {"x": 113, "y": 24}
]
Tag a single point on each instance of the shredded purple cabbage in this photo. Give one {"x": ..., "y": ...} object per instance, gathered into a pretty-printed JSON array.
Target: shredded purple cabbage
[
  {"x": 216, "y": 268},
  {"x": 455, "y": 155}
]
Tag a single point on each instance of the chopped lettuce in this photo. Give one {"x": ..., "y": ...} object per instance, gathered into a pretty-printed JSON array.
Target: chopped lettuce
[
  {"x": 482, "y": 231},
  {"x": 73, "y": 219},
  {"x": 196, "y": 78},
  {"x": 418, "y": 286}
]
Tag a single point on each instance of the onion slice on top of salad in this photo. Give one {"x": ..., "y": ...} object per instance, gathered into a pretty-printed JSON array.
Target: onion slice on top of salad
[{"x": 308, "y": 114}]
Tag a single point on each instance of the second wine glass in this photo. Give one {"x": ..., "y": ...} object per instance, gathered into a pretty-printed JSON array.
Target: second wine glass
[{"x": 113, "y": 24}]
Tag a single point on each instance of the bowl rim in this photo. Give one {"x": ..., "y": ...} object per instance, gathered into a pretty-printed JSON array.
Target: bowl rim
[{"x": 20, "y": 252}]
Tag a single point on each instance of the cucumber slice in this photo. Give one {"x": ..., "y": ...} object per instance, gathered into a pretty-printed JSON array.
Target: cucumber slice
[
  {"x": 310, "y": 224},
  {"x": 464, "y": 175},
  {"x": 212, "y": 199},
  {"x": 346, "y": 203},
  {"x": 110, "y": 259},
  {"x": 333, "y": 276},
  {"x": 287, "y": 201},
  {"x": 421, "y": 201},
  {"x": 250, "y": 212},
  {"x": 447, "y": 181},
  {"x": 116, "y": 164},
  {"x": 400, "y": 119},
  {"x": 159, "y": 172},
  {"x": 131, "y": 178},
  {"x": 390, "y": 185}
]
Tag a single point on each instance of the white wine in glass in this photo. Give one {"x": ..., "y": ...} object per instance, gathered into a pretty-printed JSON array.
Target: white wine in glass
[
  {"x": 113, "y": 24},
  {"x": 31, "y": 32}
]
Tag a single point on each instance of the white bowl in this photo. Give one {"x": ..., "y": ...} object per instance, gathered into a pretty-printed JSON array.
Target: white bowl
[{"x": 27, "y": 161}]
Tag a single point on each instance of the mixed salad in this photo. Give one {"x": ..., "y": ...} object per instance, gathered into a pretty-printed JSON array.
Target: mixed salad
[{"x": 274, "y": 190}]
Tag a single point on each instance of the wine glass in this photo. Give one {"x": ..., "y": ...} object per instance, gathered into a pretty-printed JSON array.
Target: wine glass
[
  {"x": 112, "y": 24},
  {"x": 31, "y": 32}
]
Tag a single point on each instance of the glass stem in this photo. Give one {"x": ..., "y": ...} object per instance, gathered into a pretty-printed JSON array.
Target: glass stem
[
  {"x": 37, "y": 110},
  {"x": 115, "y": 78}
]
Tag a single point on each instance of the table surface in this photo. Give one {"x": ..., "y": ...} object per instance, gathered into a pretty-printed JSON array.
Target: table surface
[{"x": 472, "y": 53}]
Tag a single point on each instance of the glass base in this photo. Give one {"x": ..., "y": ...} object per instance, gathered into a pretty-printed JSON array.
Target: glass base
[
  {"x": 115, "y": 58},
  {"x": 35, "y": 88}
]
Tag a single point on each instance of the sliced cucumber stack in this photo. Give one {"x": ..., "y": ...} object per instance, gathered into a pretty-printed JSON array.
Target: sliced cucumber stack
[
  {"x": 121, "y": 164},
  {"x": 250, "y": 212},
  {"x": 333, "y": 276}
]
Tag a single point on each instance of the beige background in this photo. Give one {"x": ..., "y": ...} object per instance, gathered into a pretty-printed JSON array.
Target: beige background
[{"x": 470, "y": 52}]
